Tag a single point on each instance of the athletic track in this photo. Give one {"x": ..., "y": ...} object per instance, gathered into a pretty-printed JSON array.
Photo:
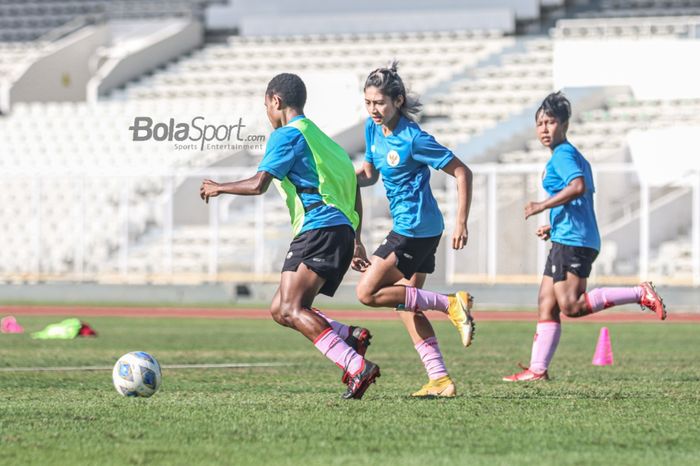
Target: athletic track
[{"x": 348, "y": 315}]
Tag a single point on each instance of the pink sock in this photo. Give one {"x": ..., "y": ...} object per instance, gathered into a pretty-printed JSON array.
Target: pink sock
[
  {"x": 424, "y": 300},
  {"x": 430, "y": 354},
  {"x": 544, "y": 346},
  {"x": 334, "y": 348},
  {"x": 603, "y": 298},
  {"x": 340, "y": 328}
]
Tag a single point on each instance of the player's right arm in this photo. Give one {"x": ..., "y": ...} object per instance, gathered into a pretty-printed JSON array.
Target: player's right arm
[
  {"x": 359, "y": 257},
  {"x": 276, "y": 163},
  {"x": 253, "y": 186},
  {"x": 367, "y": 174}
]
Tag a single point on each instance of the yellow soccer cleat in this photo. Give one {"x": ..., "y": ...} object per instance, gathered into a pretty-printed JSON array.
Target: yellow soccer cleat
[
  {"x": 459, "y": 312},
  {"x": 443, "y": 387}
]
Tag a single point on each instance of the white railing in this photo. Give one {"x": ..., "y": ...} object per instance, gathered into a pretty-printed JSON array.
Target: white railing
[{"x": 170, "y": 236}]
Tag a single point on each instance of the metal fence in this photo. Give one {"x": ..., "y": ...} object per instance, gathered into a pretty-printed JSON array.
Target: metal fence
[{"x": 128, "y": 227}]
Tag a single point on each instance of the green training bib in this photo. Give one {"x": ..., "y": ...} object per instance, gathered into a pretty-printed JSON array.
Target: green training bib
[{"x": 336, "y": 176}]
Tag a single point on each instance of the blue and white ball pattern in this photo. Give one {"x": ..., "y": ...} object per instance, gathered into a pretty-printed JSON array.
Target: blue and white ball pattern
[{"x": 136, "y": 374}]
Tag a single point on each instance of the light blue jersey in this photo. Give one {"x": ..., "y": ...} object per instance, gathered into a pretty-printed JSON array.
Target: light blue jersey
[
  {"x": 574, "y": 223},
  {"x": 403, "y": 158},
  {"x": 288, "y": 155}
]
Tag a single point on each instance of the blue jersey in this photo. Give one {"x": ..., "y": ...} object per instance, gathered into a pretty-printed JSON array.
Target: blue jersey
[
  {"x": 288, "y": 155},
  {"x": 403, "y": 158},
  {"x": 574, "y": 223}
]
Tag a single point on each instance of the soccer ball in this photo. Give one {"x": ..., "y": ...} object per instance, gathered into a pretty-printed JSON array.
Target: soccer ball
[{"x": 136, "y": 374}]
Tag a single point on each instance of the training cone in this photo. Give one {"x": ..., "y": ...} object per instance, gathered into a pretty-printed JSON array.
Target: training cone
[
  {"x": 9, "y": 325},
  {"x": 603, "y": 351}
]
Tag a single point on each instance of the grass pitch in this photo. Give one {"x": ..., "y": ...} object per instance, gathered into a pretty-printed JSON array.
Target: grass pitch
[{"x": 643, "y": 410}]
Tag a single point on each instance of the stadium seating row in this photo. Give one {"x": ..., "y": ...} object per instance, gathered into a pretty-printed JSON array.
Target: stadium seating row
[
  {"x": 491, "y": 93},
  {"x": 28, "y": 20}
]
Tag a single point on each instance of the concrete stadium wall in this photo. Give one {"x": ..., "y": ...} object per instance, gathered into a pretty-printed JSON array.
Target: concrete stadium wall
[
  {"x": 676, "y": 146},
  {"x": 232, "y": 15},
  {"x": 63, "y": 72},
  {"x": 663, "y": 68},
  {"x": 124, "y": 63}
]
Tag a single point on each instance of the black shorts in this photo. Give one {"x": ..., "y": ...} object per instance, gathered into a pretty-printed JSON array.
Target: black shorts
[
  {"x": 575, "y": 259},
  {"x": 326, "y": 251},
  {"x": 414, "y": 255}
]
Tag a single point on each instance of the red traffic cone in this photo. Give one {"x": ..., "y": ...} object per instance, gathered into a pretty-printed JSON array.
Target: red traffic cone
[
  {"x": 86, "y": 330},
  {"x": 603, "y": 351}
]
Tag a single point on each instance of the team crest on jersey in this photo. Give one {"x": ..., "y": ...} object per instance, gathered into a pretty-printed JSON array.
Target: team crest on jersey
[{"x": 392, "y": 158}]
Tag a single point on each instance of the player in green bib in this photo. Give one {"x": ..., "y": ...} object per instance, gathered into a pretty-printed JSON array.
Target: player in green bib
[{"x": 317, "y": 181}]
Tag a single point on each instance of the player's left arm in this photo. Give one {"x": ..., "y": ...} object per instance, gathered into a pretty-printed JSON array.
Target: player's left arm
[
  {"x": 464, "y": 177},
  {"x": 253, "y": 186},
  {"x": 575, "y": 189}
]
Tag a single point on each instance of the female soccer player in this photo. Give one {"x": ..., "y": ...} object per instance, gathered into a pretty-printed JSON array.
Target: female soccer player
[
  {"x": 403, "y": 154},
  {"x": 324, "y": 206},
  {"x": 575, "y": 242}
]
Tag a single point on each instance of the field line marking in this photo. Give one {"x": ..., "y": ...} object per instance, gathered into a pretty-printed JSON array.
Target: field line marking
[{"x": 241, "y": 365}]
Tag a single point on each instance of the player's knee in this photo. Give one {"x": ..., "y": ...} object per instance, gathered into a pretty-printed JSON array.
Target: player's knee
[
  {"x": 276, "y": 313},
  {"x": 365, "y": 296},
  {"x": 288, "y": 313},
  {"x": 568, "y": 307}
]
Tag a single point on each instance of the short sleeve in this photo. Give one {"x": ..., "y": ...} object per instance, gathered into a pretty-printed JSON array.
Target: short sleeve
[
  {"x": 566, "y": 165},
  {"x": 279, "y": 155},
  {"x": 428, "y": 151},
  {"x": 369, "y": 140}
]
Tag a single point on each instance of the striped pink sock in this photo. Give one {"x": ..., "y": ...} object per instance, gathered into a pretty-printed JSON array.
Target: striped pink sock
[
  {"x": 334, "y": 348},
  {"x": 424, "y": 300},
  {"x": 544, "y": 346},
  {"x": 430, "y": 354},
  {"x": 340, "y": 328},
  {"x": 603, "y": 298}
]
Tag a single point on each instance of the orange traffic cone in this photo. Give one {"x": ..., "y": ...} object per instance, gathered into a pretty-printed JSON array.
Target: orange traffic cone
[{"x": 603, "y": 351}]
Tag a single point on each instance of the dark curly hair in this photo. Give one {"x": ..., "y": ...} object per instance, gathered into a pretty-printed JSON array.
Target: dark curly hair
[{"x": 289, "y": 88}]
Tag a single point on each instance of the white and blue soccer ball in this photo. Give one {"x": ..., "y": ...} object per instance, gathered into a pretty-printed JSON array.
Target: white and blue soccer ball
[{"x": 136, "y": 374}]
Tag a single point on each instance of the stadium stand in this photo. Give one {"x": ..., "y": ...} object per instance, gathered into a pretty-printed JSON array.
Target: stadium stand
[
  {"x": 15, "y": 55},
  {"x": 491, "y": 93},
  {"x": 217, "y": 81},
  {"x": 30, "y": 20},
  {"x": 663, "y": 26},
  {"x": 92, "y": 202},
  {"x": 640, "y": 8},
  {"x": 243, "y": 65}
]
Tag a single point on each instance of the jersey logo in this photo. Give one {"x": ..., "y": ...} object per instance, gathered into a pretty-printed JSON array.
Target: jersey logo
[
  {"x": 372, "y": 148},
  {"x": 392, "y": 158},
  {"x": 289, "y": 256}
]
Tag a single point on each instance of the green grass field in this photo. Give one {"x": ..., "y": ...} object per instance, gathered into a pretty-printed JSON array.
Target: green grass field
[{"x": 643, "y": 410}]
